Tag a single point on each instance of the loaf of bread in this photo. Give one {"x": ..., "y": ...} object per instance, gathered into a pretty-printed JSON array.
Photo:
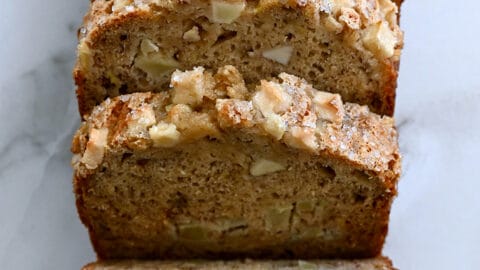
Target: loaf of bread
[
  {"x": 214, "y": 169},
  {"x": 380, "y": 263},
  {"x": 350, "y": 47}
]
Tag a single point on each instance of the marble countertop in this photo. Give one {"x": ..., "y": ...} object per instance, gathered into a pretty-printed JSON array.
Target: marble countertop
[{"x": 435, "y": 221}]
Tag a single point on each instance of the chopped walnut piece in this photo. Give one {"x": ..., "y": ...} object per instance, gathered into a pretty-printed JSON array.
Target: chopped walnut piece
[
  {"x": 390, "y": 10},
  {"x": 229, "y": 80},
  {"x": 337, "y": 5},
  {"x": 300, "y": 113},
  {"x": 380, "y": 39},
  {"x": 271, "y": 97},
  {"x": 179, "y": 113},
  {"x": 120, "y": 4},
  {"x": 234, "y": 113},
  {"x": 350, "y": 17},
  {"x": 139, "y": 119},
  {"x": 95, "y": 149},
  {"x": 143, "y": 116},
  {"x": 164, "y": 135},
  {"x": 188, "y": 86},
  {"x": 332, "y": 24},
  {"x": 201, "y": 125},
  {"x": 328, "y": 106},
  {"x": 368, "y": 9},
  {"x": 301, "y": 138}
]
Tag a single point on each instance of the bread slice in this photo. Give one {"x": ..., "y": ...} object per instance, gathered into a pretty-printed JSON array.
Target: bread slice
[
  {"x": 213, "y": 169},
  {"x": 380, "y": 263},
  {"x": 342, "y": 46}
]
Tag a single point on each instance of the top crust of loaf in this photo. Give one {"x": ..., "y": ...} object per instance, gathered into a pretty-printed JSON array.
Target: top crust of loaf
[
  {"x": 380, "y": 263},
  {"x": 202, "y": 105},
  {"x": 347, "y": 16},
  {"x": 369, "y": 26},
  {"x": 350, "y": 12}
]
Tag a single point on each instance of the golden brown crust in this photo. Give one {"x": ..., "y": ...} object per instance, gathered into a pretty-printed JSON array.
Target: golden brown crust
[
  {"x": 101, "y": 19},
  {"x": 101, "y": 11},
  {"x": 80, "y": 91},
  {"x": 388, "y": 104},
  {"x": 379, "y": 263}
]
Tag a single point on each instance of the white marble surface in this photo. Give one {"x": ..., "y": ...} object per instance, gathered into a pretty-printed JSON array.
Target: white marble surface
[{"x": 435, "y": 221}]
